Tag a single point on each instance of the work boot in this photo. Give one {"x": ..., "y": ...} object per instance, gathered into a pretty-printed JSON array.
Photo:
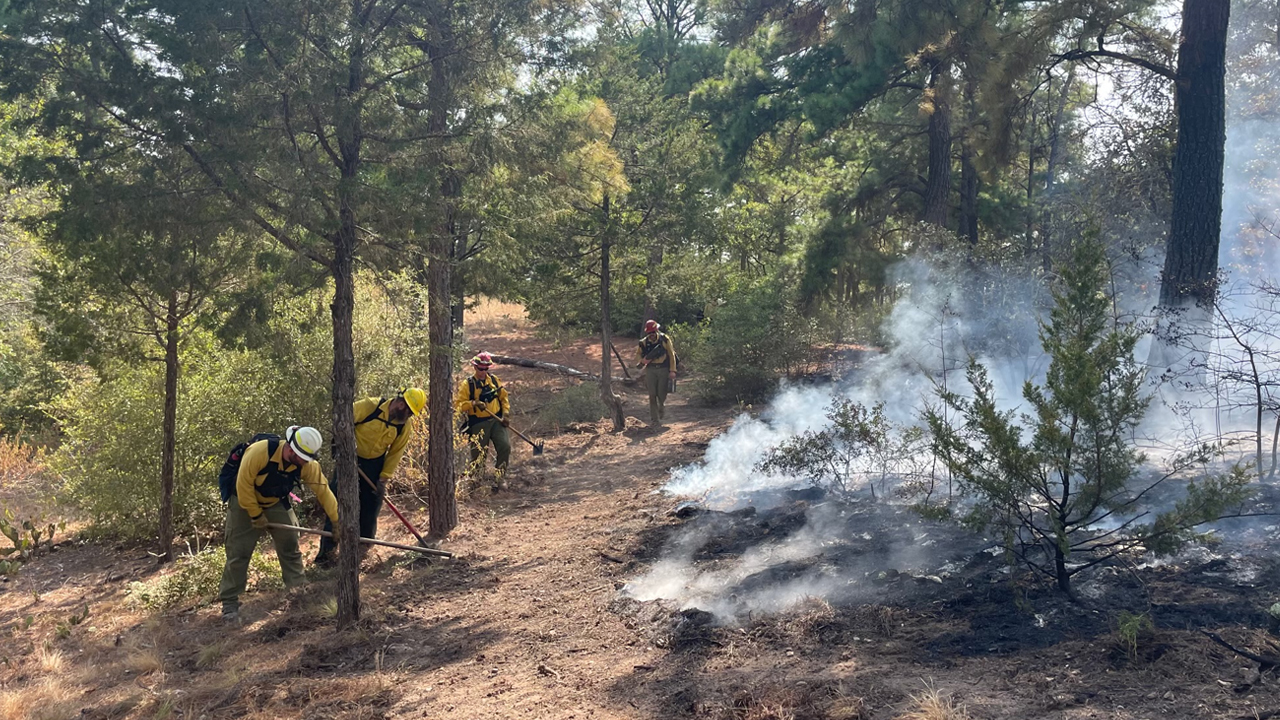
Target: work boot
[
  {"x": 231, "y": 615},
  {"x": 324, "y": 561}
]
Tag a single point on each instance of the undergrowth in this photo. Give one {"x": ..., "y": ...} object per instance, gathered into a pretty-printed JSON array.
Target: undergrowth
[{"x": 196, "y": 577}]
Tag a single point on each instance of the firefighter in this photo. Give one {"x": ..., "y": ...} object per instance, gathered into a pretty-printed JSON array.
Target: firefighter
[
  {"x": 658, "y": 357},
  {"x": 482, "y": 399},
  {"x": 384, "y": 427},
  {"x": 265, "y": 471}
]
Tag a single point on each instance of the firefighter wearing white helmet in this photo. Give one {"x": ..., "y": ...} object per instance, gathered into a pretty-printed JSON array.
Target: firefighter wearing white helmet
[
  {"x": 384, "y": 427},
  {"x": 265, "y": 471}
]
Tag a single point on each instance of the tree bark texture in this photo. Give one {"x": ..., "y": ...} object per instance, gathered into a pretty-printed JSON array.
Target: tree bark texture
[
  {"x": 1051, "y": 170},
  {"x": 607, "y": 395},
  {"x": 169, "y": 432},
  {"x": 350, "y": 138},
  {"x": 937, "y": 190},
  {"x": 441, "y": 480},
  {"x": 968, "y": 195},
  {"x": 1191, "y": 256},
  {"x": 441, "y": 490}
]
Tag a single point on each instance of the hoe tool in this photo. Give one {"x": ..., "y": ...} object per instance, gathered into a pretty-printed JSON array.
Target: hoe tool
[
  {"x": 395, "y": 510},
  {"x": 538, "y": 447},
  {"x": 368, "y": 541}
]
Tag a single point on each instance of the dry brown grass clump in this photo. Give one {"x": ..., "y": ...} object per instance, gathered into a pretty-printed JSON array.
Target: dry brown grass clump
[
  {"x": 800, "y": 701},
  {"x": 933, "y": 704},
  {"x": 494, "y": 316},
  {"x": 20, "y": 463},
  {"x": 47, "y": 699}
]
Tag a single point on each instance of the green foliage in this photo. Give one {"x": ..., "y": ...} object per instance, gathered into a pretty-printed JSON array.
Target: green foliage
[
  {"x": 857, "y": 447},
  {"x": 747, "y": 341},
  {"x": 1045, "y": 494},
  {"x": 196, "y": 577},
  {"x": 574, "y": 404},
  {"x": 1132, "y": 631},
  {"x": 110, "y": 457}
]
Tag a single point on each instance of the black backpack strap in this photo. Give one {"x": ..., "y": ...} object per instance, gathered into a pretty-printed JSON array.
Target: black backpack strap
[{"x": 376, "y": 409}]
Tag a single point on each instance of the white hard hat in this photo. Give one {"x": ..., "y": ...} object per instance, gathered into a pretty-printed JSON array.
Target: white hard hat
[{"x": 305, "y": 441}]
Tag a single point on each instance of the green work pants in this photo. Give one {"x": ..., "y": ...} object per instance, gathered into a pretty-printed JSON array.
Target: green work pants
[
  {"x": 486, "y": 431},
  {"x": 242, "y": 538},
  {"x": 655, "y": 381}
]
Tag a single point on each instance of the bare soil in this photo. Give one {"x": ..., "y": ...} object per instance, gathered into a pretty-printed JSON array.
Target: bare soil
[{"x": 528, "y": 620}]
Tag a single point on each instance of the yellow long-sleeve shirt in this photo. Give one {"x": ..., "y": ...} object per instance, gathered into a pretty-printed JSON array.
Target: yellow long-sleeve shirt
[
  {"x": 660, "y": 358},
  {"x": 378, "y": 437},
  {"x": 468, "y": 398},
  {"x": 255, "y": 465}
]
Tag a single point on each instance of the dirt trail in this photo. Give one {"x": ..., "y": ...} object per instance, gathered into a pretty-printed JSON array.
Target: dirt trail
[{"x": 527, "y": 620}]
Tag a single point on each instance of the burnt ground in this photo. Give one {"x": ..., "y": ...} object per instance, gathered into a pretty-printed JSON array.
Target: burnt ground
[{"x": 536, "y": 618}]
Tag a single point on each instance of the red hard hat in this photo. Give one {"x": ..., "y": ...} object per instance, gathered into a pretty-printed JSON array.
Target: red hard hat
[
  {"x": 651, "y": 326},
  {"x": 483, "y": 361}
]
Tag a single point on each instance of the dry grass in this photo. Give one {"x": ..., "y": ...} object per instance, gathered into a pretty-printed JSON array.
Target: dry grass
[
  {"x": 933, "y": 704},
  {"x": 145, "y": 660},
  {"x": 210, "y": 654},
  {"x": 20, "y": 463},
  {"x": 494, "y": 316},
  {"x": 48, "y": 699},
  {"x": 50, "y": 661}
]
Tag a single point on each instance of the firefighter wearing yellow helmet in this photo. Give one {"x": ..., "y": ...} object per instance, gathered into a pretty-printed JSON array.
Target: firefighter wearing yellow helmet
[{"x": 384, "y": 427}]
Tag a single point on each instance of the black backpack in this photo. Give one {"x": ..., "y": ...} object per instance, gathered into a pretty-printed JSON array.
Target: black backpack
[{"x": 278, "y": 484}]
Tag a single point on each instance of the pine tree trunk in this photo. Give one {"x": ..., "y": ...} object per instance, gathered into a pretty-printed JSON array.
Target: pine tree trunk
[
  {"x": 937, "y": 190},
  {"x": 968, "y": 195},
  {"x": 607, "y": 395},
  {"x": 1051, "y": 170},
  {"x": 442, "y": 484},
  {"x": 1191, "y": 256},
  {"x": 350, "y": 137},
  {"x": 169, "y": 440},
  {"x": 344, "y": 439},
  {"x": 441, "y": 480}
]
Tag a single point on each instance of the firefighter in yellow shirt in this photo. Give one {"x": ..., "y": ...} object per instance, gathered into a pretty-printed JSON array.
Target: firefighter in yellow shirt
[
  {"x": 383, "y": 429},
  {"x": 483, "y": 401},
  {"x": 256, "y": 481},
  {"x": 657, "y": 355}
]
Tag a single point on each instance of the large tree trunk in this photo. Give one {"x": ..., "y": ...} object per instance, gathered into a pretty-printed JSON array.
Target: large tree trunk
[
  {"x": 607, "y": 395},
  {"x": 350, "y": 137},
  {"x": 1191, "y": 257},
  {"x": 441, "y": 481},
  {"x": 442, "y": 484},
  {"x": 168, "y": 441},
  {"x": 937, "y": 190}
]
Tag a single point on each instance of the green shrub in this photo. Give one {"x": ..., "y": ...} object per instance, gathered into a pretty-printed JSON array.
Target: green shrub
[
  {"x": 196, "y": 577},
  {"x": 756, "y": 335},
  {"x": 109, "y": 461}
]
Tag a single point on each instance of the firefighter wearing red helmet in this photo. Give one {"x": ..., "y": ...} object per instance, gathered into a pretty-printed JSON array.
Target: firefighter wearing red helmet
[
  {"x": 482, "y": 400},
  {"x": 658, "y": 357}
]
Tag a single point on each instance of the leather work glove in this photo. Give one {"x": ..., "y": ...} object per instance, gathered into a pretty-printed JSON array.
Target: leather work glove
[
  {"x": 505, "y": 422},
  {"x": 479, "y": 406},
  {"x": 259, "y": 521}
]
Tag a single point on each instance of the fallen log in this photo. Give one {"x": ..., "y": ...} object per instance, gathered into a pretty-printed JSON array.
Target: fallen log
[
  {"x": 552, "y": 367},
  {"x": 1265, "y": 663}
]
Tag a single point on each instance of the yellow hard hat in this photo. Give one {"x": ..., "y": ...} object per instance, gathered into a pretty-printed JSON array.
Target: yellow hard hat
[{"x": 415, "y": 398}]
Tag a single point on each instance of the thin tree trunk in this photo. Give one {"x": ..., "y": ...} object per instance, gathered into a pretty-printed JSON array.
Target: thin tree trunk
[
  {"x": 1029, "y": 237},
  {"x": 607, "y": 395},
  {"x": 937, "y": 190},
  {"x": 1051, "y": 170},
  {"x": 1191, "y": 256},
  {"x": 350, "y": 137},
  {"x": 169, "y": 432},
  {"x": 968, "y": 195}
]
